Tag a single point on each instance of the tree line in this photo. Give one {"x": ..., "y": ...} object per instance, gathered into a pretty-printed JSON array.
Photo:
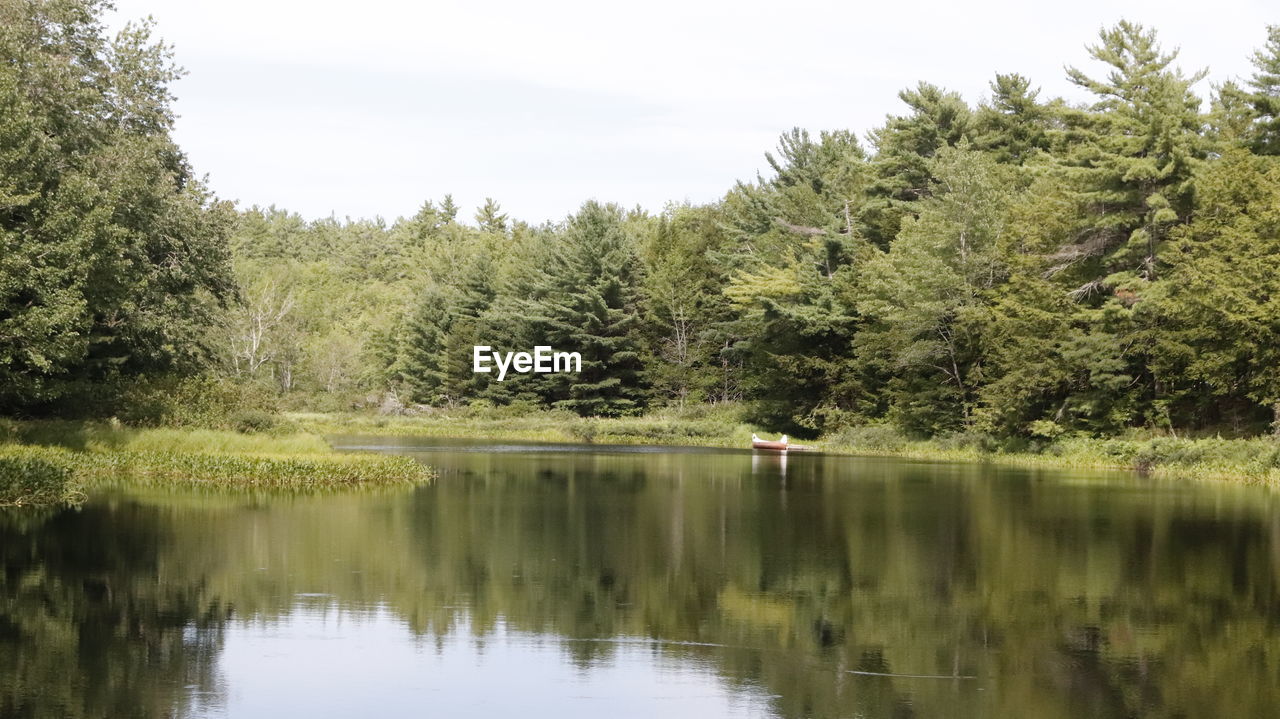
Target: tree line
[{"x": 1023, "y": 267}]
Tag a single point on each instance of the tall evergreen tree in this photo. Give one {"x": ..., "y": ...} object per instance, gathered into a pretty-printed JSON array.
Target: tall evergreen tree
[
  {"x": 1265, "y": 97},
  {"x": 683, "y": 305},
  {"x": 1139, "y": 147},
  {"x": 903, "y": 147},
  {"x": 1232, "y": 117},
  {"x": 1013, "y": 125},
  {"x": 1132, "y": 159},
  {"x": 583, "y": 297},
  {"x": 490, "y": 218},
  {"x": 795, "y": 239},
  {"x": 1221, "y": 304},
  {"x": 925, "y": 300}
]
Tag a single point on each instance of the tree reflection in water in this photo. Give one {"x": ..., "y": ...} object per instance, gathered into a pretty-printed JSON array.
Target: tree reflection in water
[{"x": 1062, "y": 595}]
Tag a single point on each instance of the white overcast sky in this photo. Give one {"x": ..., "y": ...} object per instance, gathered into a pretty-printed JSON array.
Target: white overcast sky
[{"x": 368, "y": 108}]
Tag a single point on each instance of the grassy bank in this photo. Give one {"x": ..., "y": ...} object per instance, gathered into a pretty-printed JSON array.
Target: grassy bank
[
  {"x": 37, "y": 475},
  {"x": 51, "y": 462},
  {"x": 1249, "y": 461},
  {"x": 695, "y": 427},
  {"x": 1254, "y": 461}
]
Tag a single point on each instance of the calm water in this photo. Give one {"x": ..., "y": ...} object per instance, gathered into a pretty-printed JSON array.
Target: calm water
[{"x": 580, "y": 582}]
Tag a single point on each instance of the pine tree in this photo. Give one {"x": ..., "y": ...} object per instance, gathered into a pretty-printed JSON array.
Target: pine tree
[
  {"x": 1013, "y": 125},
  {"x": 1265, "y": 98},
  {"x": 423, "y": 370},
  {"x": 448, "y": 209},
  {"x": 490, "y": 217},
  {"x": 903, "y": 147},
  {"x": 1232, "y": 118},
  {"x": 1141, "y": 145},
  {"x": 795, "y": 237},
  {"x": 446, "y": 322},
  {"x": 1220, "y": 303},
  {"x": 1132, "y": 158},
  {"x": 586, "y": 302},
  {"x": 925, "y": 300},
  {"x": 683, "y": 304}
]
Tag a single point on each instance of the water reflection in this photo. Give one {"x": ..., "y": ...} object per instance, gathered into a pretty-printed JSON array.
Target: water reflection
[
  {"x": 290, "y": 669},
  {"x": 563, "y": 581}
]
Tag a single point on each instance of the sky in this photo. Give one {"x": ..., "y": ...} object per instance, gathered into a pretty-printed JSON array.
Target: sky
[{"x": 369, "y": 109}]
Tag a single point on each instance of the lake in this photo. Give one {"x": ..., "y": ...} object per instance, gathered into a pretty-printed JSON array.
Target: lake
[{"x": 586, "y": 581}]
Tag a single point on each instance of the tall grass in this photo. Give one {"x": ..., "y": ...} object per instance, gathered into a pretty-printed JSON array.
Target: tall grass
[
  {"x": 37, "y": 475},
  {"x": 235, "y": 471},
  {"x": 1253, "y": 461},
  {"x": 707, "y": 426},
  {"x": 39, "y": 458},
  {"x": 113, "y": 436}
]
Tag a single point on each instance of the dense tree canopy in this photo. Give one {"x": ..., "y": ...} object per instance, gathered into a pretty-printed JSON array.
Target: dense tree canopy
[
  {"x": 1020, "y": 267},
  {"x": 113, "y": 259}
]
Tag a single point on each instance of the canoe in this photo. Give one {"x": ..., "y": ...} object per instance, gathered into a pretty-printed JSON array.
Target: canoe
[{"x": 778, "y": 445}]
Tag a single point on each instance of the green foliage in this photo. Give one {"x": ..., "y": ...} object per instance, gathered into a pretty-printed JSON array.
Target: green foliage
[
  {"x": 1264, "y": 135},
  {"x": 250, "y": 472},
  {"x": 1019, "y": 269},
  {"x": 581, "y": 296},
  {"x": 1133, "y": 154},
  {"x": 1219, "y": 337},
  {"x": 685, "y": 309},
  {"x": 793, "y": 259},
  {"x": 870, "y": 438},
  {"x": 113, "y": 258},
  {"x": 114, "y": 436},
  {"x": 925, "y": 299},
  {"x": 1014, "y": 126},
  {"x": 35, "y": 476},
  {"x": 904, "y": 145},
  {"x": 52, "y": 461},
  {"x": 718, "y": 425},
  {"x": 201, "y": 401}
]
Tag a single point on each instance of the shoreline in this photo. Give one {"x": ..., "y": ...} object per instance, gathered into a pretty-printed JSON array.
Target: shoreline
[
  {"x": 57, "y": 462},
  {"x": 1241, "y": 461},
  {"x": 49, "y": 462}
]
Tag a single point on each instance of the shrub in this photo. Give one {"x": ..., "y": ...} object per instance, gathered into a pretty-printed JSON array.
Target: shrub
[
  {"x": 871, "y": 437},
  {"x": 9, "y": 430},
  {"x": 585, "y": 429},
  {"x": 253, "y": 420},
  {"x": 202, "y": 401},
  {"x": 968, "y": 441},
  {"x": 1045, "y": 428}
]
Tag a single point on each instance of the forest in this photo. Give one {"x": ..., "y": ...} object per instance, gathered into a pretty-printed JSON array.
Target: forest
[{"x": 1023, "y": 268}]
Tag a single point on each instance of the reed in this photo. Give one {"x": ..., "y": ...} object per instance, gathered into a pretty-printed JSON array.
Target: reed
[
  {"x": 54, "y": 461},
  {"x": 243, "y": 471},
  {"x": 36, "y": 476}
]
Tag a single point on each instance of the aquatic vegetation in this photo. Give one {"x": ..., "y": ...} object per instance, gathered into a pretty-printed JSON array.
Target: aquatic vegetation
[
  {"x": 50, "y": 462},
  {"x": 231, "y": 471},
  {"x": 37, "y": 475},
  {"x": 105, "y": 436}
]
